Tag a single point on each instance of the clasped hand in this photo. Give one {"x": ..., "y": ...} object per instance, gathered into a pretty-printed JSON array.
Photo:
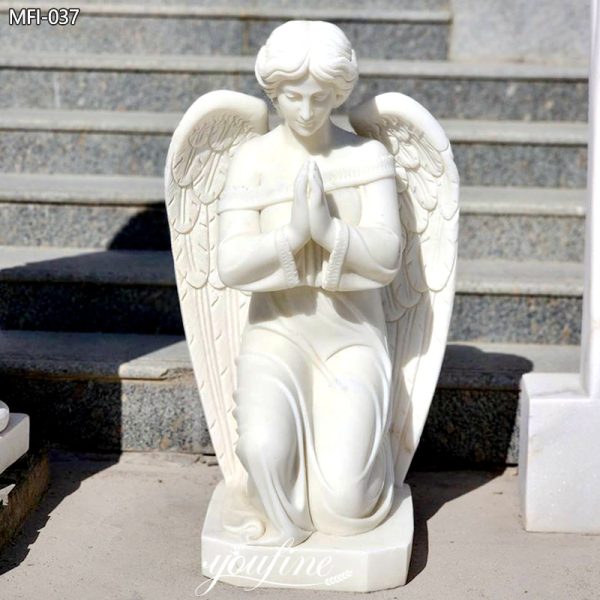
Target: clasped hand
[{"x": 311, "y": 218}]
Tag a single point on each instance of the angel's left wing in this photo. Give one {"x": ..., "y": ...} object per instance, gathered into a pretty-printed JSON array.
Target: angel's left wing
[{"x": 418, "y": 303}]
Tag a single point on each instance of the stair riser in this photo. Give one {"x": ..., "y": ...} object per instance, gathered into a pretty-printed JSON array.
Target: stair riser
[
  {"x": 522, "y": 237},
  {"x": 84, "y": 226},
  {"x": 147, "y": 35},
  {"x": 465, "y": 427},
  {"x": 139, "y": 154},
  {"x": 103, "y": 415},
  {"x": 155, "y": 309},
  {"x": 518, "y": 319},
  {"x": 512, "y": 237},
  {"x": 175, "y": 92}
]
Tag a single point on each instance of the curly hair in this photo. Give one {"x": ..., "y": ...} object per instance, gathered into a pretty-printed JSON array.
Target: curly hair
[{"x": 297, "y": 48}]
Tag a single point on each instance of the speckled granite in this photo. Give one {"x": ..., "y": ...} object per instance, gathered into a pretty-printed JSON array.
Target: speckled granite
[
  {"x": 521, "y": 319},
  {"x": 527, "y": 237},
  {"x": 155, "y": 309},
  {"x": 48, "y": 152},
  {"x": 405, "y": 41},
  {"x": 122, "y": 35},
  {"x": 116, "y": 227},
  {"x": 486, "y": 99},
  {"x": 465, "y": 426},
  {"x": 478, "y": 164},
  {"x": 526, "y": 165},
  {"x": 453, "y": 98},
  {"x": 89, "y": 307},
  {"x": 274, "y": 4},
  {"x": 470, "y": 428},
  {"x": 96, "y": 34},
  {"x": 103, "y": 415},
  {"x": 472, "y": 420}
]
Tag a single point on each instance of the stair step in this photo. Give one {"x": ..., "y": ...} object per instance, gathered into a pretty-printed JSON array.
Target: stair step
[
  {"x": 522, "y": 224},
  {"x": 351, "y": 10},
  {"x": 136, "y": 392},
  {"x": 88, "y": 211},
  {"x": 96, "y": 142},
  {"x": 96, "y": 190},
  {"x": 114, "y": 190},
  {"x": 458, "y": 130},
  {"x": 184, "y": 29},
  {"x": 128, "y": 213},
  {"x": 71, "y": 289},
  {"x": 122, "y": 267},
  {"x": 172, "y": 82}
]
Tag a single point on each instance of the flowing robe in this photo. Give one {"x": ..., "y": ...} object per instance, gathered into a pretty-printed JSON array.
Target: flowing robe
[{"x": 313, "y": 383}]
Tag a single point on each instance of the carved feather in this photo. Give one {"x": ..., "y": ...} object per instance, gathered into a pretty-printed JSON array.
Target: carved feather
[{"x": 213, "y": 316}]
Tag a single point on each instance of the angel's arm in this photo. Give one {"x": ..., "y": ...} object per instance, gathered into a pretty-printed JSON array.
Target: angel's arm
[
  {"x": 253, "y": 261},
  {"x": 367, "y": 255},
  {"x": 248, "y": 259}
]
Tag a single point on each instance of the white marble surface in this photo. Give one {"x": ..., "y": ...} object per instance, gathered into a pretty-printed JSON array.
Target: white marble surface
[
  {"x": 590, "y": 335},
  {"x": 14, "y": 440},
  {"x": 559, "y": 458},
  {"x": 295, "y": 266},
  {"x": 559, "y": 454},
  {"x": 4, "y": 416},
  {"x": 375, "y": 560}
]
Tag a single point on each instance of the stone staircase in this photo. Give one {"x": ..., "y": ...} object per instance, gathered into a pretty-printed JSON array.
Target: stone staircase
[{"x": 91, "y": 345}]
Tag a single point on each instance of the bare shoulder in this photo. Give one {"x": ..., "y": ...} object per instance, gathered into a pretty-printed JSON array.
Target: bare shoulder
[
  {"x": 353, "y": 146},
  {"x": 243, "y": 168}
]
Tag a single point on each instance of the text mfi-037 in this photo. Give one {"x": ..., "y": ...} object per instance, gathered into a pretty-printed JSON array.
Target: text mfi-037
[{"x": 35, "y": 16}]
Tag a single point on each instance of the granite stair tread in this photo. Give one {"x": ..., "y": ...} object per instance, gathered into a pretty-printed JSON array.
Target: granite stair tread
[
  {"x": 164, "y": 357},
  {"x": 213, "y": 63},
  {"x": 264, "y": 10},
  {"x": 130, "y": 190},
  {"x": 152, "y": 123},
  {"x": 155, "y": 267}
]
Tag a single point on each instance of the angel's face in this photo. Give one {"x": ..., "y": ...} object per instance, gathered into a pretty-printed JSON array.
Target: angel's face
[{"x": 305, "y": 104}]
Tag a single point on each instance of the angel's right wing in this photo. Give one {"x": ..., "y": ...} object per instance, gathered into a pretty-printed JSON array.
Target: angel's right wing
[
  {"x": 418, "y": 303},
  {"x": 213, "y": 315}
]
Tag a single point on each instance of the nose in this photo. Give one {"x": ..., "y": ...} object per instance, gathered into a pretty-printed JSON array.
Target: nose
[{"x": 306, "y": 111}]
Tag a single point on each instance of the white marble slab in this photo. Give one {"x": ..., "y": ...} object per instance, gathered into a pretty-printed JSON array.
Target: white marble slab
[
  {"x": 559, "y": 452},
  {"x": 559, "y": 460},
  {"x": 4, "y": 416},
  {"x": 375, "y": 560}
]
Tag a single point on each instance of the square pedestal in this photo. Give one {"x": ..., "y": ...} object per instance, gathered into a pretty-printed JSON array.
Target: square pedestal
[
  {"x": 559, "y": 455},
  {"x": 375, "y": 560},
  {"x": 14, "y": 440}
]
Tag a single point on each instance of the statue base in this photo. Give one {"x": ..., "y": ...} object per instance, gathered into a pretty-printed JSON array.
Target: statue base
[
  {"x": 559, "y": 455},
  {"x": 375, "y": 560}
]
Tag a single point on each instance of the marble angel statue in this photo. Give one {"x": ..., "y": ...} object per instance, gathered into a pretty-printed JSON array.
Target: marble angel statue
[{"x": 315, "y": 270}]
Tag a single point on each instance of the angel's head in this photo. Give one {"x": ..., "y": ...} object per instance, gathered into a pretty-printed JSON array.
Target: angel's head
[{"x": 307, "y": 68}]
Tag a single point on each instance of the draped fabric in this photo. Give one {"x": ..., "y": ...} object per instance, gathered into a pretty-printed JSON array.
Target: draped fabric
[{"x": 312, "y": 406}]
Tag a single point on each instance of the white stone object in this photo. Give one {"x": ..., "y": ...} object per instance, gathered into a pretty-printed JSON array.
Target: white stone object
[
  {"x": 315, "y": 270},
  {"x": 369, "y": 561},
  {"x": 4, "y": 416},
  {"x": 559, "y": 455},
  {"x": 14, "y": 440}
]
